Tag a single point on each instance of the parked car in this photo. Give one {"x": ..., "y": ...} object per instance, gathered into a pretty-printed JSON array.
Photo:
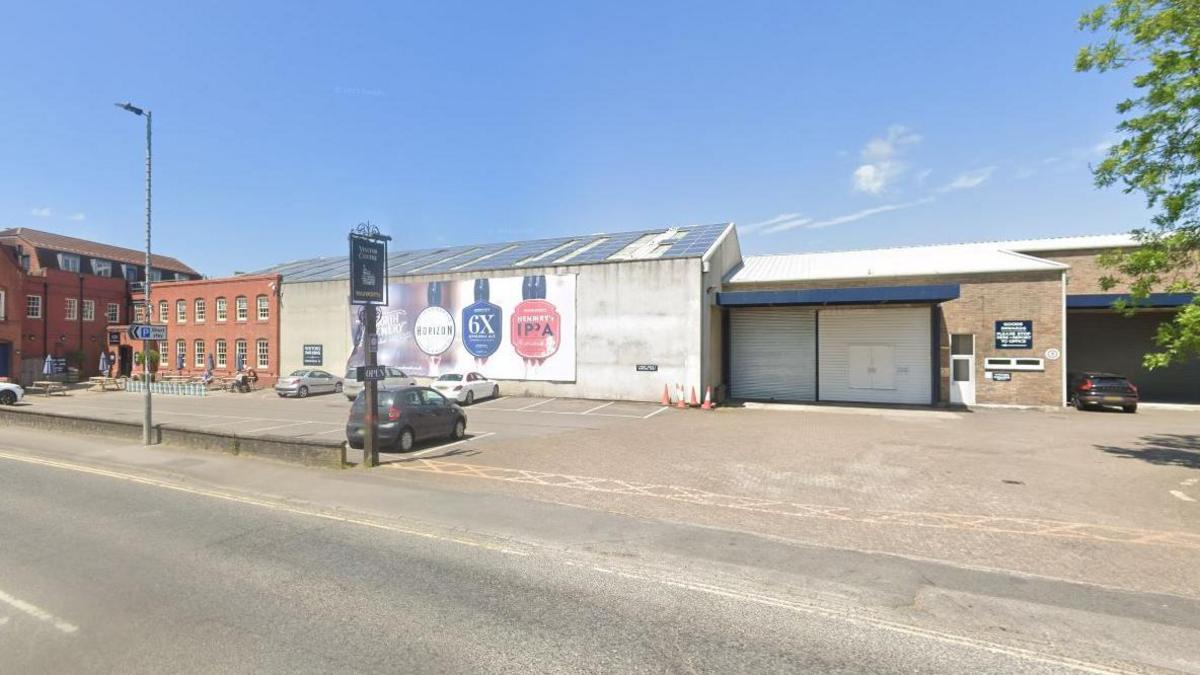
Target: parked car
[
  {"x": 301, "y": 383},
  {"x": 396, "y": 379},
  {"x": 10, "y": 393},
  {"x": 406, "y": 416},
  {"x": 466, "y": 388},
  {"x": 1091, "y": 389}
]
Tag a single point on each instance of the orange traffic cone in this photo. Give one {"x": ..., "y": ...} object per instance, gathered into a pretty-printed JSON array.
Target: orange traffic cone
[
  {"x": 680, "y": 403},
  {"x": 693, "y": 402},
  {"x": 666, "y": 397},
  {"x": 707, "y": 405}
]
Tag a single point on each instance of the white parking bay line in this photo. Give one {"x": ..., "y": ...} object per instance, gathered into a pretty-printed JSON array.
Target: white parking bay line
[
  {"x": 37, "y": 613},
  {"x": 1179, "y": 495},
  {"x": 646, "y": 417},
  {"x": 451, "y": 445},
  {"x": 602, "y": 405},
  {"x": 534, "y": 405},
  {"x": 278, "y": 426}
]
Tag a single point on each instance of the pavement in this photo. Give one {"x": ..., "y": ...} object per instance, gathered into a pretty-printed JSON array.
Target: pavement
[{"x": 120, "y": 558}]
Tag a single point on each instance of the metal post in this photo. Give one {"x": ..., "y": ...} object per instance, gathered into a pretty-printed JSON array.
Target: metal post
[
  {"x": 371, "y": 416},
  {"x": 147, "y": 420}
]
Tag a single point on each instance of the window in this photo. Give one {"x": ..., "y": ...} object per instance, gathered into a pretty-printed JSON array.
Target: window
[
  {"x": 163, "y": 357},
  {"x": 130, "y": 272},
  {"x": 222, "y": 309},
  {"x": 180, "y": 352},
  {"x": 72, "y": 309},
  {"x": 264, "y": 308},
  {"x": 222, "y": 349},
  {"x": 180, "y": 276},
  {"x": 68, "y": 262},
  {"x": 33, "y": 306},
  {"x": 240, "y": 307},
  {"x": 1002, "y": 363},
  {"x": 3, "y": 305},
  {"x": 101, "y": 268},
  {"x": 263, "y": 352},
  {"x": 139, "y": 313},
  {"x": 89, "y": 310},
  {"x": 198, "y": 351},
  {"x": 156, "y": 275},
  {"x": 239, "y": 354},
  {"x": 181, "y": 311},
  {"x": 164, "y": 311},
  {"x": 199, "y": 310},
  {"x": 113, "y": 313}
]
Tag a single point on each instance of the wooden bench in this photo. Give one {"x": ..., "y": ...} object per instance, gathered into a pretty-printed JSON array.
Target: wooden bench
[
  {"x": 101, "y": 383},
  {"x": 49, "y": 387}
]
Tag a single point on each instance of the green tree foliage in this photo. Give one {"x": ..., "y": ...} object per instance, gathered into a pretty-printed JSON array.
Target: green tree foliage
[{"x": 1158, "y": 154}]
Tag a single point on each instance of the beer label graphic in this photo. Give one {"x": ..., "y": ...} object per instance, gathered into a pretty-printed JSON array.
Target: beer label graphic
[
  {"x": 482, "y": 329},
  {"x": 433, "y": 330},
  {"x": 535, "y": 325}
]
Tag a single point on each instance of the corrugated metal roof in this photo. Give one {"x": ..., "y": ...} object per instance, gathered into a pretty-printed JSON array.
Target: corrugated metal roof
[
  {"x": 1069, "y": 243},
  {"x": 888, "y": 262},
  {"x": 693, "y": 242}
]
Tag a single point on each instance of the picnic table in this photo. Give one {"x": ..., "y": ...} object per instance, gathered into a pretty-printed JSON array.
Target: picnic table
[
  {"x": 101, "y": 383},
  {"x": 48, "y": 387}
]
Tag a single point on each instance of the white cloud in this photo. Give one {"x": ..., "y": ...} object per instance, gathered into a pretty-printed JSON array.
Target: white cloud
[
  {"x": 44, "y": 212},
  {"x": 969, "y": 180},
  {"x": 78, "y": 217},
  {"x": 808, "y": 223},
  {"x": 881, "y": 160},
  {"x": 792, "y": 219}
]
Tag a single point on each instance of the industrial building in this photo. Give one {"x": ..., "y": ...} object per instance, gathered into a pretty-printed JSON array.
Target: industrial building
[{"x": 618, "y": 316}]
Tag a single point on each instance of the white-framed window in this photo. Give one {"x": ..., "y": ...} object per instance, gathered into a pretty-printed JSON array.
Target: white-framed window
[
  {"x": 263, "y": 350},
  {"x": 3, "y": 305},
  {"x": 181, "y": 311},
  {"x": 164, "y": 311},
  {"x": 72, "y": 309},
  {"x": 113, "y": 313},
  {"x": 198, "y": 352},
  {"x": 156, "y": 275},
  {"x": 89, "y": 310},
  {"x": 180, "y": 350},
  {"x": 240, "y": 308},
  {"x": 101, "y": 268},
  {"x": 222, "y": 309},
  {"x": 264, "y": 307},
  {"x": 239, "y": 353},
  {"x": 68, "y": 262},
  {"x": 199, "y": 310},
  {"x": 33, "y": 306},
  {"x": 130, "y": 272},
  {"x": 222, "y": 350},
  {"x": 180, "y": 276},
  {"x": 164, "y": 359},
  {"x": 139, "y": 313}
]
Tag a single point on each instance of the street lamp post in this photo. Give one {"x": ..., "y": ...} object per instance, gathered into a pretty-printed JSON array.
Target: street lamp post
[{"x": 147, "y": 430}]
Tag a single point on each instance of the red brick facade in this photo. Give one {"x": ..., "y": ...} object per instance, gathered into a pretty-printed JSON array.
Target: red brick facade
[
  {"x": 12, "y": 312},
  {"x": 214, "y": 322}
]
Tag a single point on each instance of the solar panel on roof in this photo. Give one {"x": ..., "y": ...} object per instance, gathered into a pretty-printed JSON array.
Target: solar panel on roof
[
  {"x": 697, "y": 241},
  {"x": 615, "y": 243}
]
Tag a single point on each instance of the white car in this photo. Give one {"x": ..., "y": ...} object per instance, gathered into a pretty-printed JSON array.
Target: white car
[
  {"x": 10, "y": 393},
  {"x": 396, "y": 378},
  {"x": 466, "y": 388}
]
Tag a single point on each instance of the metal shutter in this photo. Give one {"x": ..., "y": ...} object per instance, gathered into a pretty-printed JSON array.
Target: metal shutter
[
  {"x": 772, "y": 353},
  {"x": 876, "y": 355}
]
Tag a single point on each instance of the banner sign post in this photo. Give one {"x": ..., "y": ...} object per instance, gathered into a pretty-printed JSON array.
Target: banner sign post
[{"x": 368, "y": 291}]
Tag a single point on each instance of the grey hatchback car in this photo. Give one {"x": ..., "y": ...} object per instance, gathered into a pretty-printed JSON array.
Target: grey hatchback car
[{"x": 407, "y": 416}]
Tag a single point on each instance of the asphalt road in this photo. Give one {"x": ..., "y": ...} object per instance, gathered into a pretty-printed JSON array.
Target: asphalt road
[{"x": 104, "y": 571}]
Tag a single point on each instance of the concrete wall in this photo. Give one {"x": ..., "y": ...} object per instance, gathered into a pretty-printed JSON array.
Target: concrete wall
[
  {"x": 721, "y": 261},
  {"x": 627, "y": 313}
]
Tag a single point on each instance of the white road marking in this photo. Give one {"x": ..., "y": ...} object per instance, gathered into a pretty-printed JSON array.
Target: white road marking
[
  {"x": 1179, "y": 495},
  {"x": 450, "y": 445},
  {"x": 1190, "y": 481},
  {"x": 534, "y": 405},
  {"x": 559, "y": 412},
  {"x": 277, "y": 426},
  {"x": 37, "y": 613},
  {"x": 665, "y": 407},
  {"x": 3, "y": 620},
  {"x": 259, "y": 502},
  {"x": 602, "y": 405}
]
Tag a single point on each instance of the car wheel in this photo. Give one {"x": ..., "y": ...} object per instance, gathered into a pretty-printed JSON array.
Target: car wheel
[
  {"x": 282, "y": 395},
  {"x": 302, "y": 392},
  {"x": 496, "y": 391},
  {"x": 405, "y": 442},
  {"x": 459, "y": 430},
  {"x": 1129, "y": 408},
  {"x": 349, "y": 397},
  {"x": 1079, "y": 404},
  {"x": 470, "y": 398},
  {"x": 338, "y": 387},
  {"x": 8, "y": 398}
]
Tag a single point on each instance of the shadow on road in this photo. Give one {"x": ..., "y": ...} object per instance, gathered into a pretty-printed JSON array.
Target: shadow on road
[{"x": 1164, "y": 449}]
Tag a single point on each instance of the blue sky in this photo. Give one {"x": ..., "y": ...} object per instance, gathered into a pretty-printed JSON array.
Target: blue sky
[{"x": 814, "y": 126}]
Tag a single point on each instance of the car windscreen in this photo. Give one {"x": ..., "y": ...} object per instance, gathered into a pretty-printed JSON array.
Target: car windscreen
[
  {"x": 450, "y": 378},
  {"x": 299, "y": 373},
  {"x": 386, "y": 400}
]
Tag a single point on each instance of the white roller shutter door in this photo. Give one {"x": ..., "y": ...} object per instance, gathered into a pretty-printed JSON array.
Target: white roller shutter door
[
  {"x": 876, "y": 355},
  {"x": 772, "y": 353}
]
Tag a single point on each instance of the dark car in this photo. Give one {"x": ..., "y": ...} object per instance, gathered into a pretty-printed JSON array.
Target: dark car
[
  {"x": 1089, "y": 389},
  {"x": 406, "y": 416}
]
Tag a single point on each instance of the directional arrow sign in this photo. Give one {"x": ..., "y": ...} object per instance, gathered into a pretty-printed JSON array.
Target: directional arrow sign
[{"x": 145, "y": 331}]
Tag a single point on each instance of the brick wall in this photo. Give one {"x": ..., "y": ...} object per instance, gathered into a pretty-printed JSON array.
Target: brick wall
[
  {"x": 55, "y": 334},
  {"x": 12, "y": 283},
  {"x": 1086, "y": 271},
  {"x": 985, "y": 299}
]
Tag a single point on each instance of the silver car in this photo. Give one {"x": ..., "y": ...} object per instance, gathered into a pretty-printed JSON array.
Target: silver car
[
  {"x": 396, "y": 378},
  {"x": 301, "y": 383}
]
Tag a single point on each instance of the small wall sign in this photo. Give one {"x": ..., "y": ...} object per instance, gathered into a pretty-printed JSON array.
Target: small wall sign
[
  {"x": 1014, "y": 334},
  {"x": 647, "y": 367},
  {"x": 314, "y": 355},
  {"x": 114, "y": 337},
  {"x": 1052, "y": 354},
  {"x": 1001, "y": 377}
]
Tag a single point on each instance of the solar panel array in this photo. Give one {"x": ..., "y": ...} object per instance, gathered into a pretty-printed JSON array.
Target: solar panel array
[{"x": 509, "y": 255}]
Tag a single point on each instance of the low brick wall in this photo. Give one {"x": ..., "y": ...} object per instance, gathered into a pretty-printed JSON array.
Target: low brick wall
[{"x": 310, "y": 453}]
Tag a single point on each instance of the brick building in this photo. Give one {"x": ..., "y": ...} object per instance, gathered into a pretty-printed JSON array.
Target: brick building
[
  {"x": 58, "y": 294},
  {"x": 213, "y": 321}
]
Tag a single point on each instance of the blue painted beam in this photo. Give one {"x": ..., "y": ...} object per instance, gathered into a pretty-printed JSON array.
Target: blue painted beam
[
  {"x": 1106, "y": 300},
  {"x": 871, "y": 295}
]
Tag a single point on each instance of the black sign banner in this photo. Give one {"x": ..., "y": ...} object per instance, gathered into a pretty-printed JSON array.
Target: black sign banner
[
  {"x": 314, "y": 355},
  {"x": 368, "y": 373},
  {"x": 647, "y": 367},
  {"x": 1014, "y": 334},
  {"x": 368, "y": 270}
]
